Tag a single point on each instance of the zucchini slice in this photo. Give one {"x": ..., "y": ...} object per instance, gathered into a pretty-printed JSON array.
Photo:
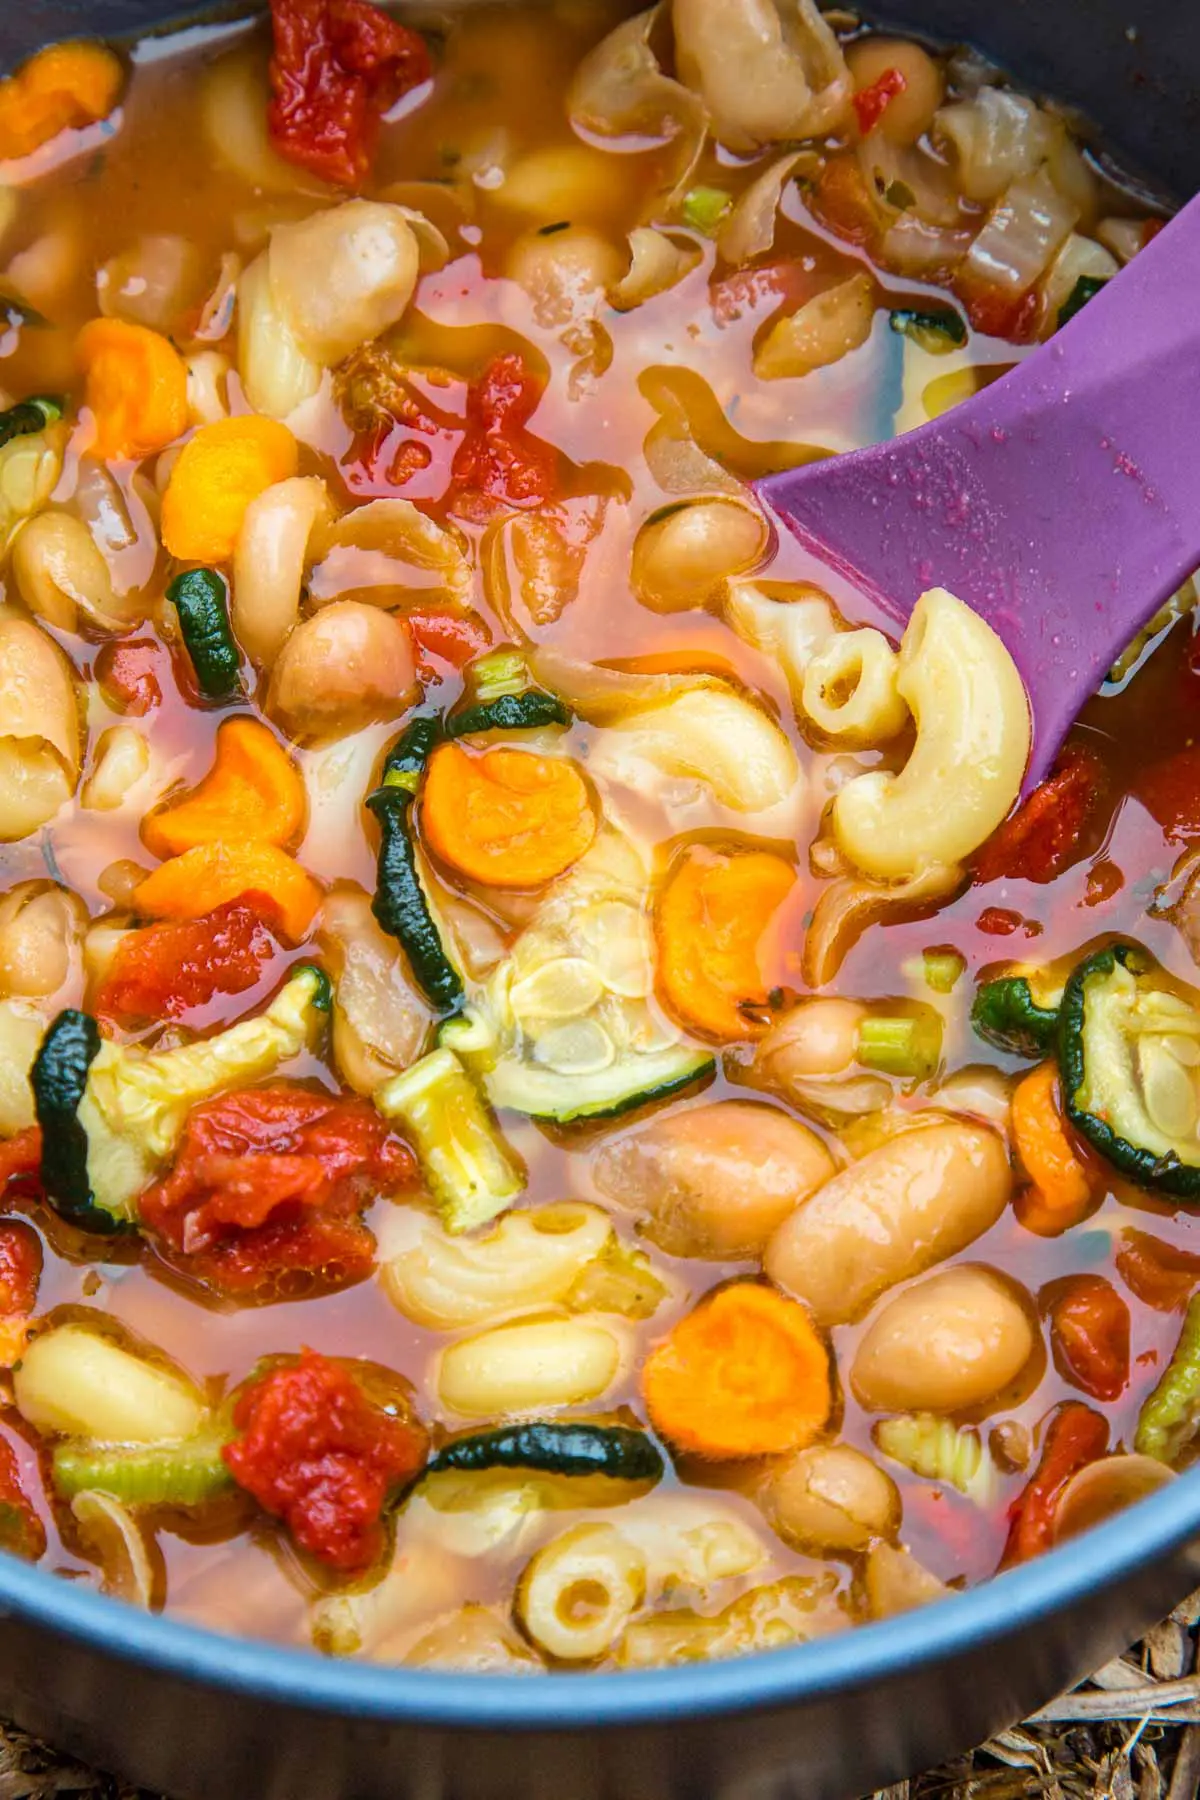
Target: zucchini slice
[
  {"x": 509, "y": 712},
  {"x": 555, "y": 1447},
  {"x": 1006, "y": 1013},
  {"x": 58, "y": 1078},
  {"x": 1129, "y": 1054},
  {"x": 935, "y": 328},
  {"x": 401, "y": 904},
  {"x": 404, "y": 764},
  {"x": 28, "y": 416},
  {"x": 631, "y": 1081},
  {"x": 469, "y": 1168},
  {"x": 112, "y": 1114},
  {"x": 201, "y": 599},
  {"x": 188, "y": 1473}
]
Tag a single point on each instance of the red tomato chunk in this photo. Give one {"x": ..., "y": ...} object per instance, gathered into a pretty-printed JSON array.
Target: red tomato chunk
[
  {"x": 20, "y": 1156},
  {"x": 20, "y": 1268},
  {"x": 266, "y": 1192},
  {"x": 499, "y": 463},
  {"x": 1075, "y": 1437},
  {"x": 1158, "y": 1274},
  {"x": 338, "y": 66},
  {"x": 131, "y": 673},
  {"x": 163, "y": 971},
  {"x": 1037, "y": 843},
  {"x": 319, "y": 1455},
  {"x": 21, "y": 1531},
  {"x": 1089, "y": 1334},
  {"x": 871, "y": 104},
  {"x": 1170, "y": 792}
]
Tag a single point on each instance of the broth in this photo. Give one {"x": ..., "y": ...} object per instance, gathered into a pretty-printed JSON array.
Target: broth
[{"x": 639, "y": 409}]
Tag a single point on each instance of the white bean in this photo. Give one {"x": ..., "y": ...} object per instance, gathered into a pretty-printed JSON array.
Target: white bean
[
  {"x": 681, "y": 560},
  {"x": 344, "y": 668},
  {"x": 830, "y": 1497},
  {"x": 41, "y": 930},
  {"x": 40, "y": 749},
  {"x": 916, "y": 1200},
  {"x": 946, "y": 1344}
]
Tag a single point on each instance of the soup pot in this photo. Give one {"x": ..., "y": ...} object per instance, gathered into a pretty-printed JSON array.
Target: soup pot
[{"x": 202, "y": 1717}]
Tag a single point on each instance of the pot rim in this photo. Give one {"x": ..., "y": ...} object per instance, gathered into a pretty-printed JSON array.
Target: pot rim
[{"x": 1000, "y": 1607}]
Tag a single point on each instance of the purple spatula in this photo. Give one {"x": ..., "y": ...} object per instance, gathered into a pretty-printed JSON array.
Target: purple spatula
[{"x": 1062, "y": 502}]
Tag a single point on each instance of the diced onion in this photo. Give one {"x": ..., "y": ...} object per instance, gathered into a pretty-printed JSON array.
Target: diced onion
[
  {"x": 1024, "y": 230},
  {"x": 619, "y": 91}
]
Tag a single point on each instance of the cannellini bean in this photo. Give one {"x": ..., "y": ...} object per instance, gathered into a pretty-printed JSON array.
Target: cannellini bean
[
  {"x": 916, "y": 1200},
  {"x": 830, "y": 1497},
  {"x": 41, "y": 934},
  {"x": 40, "y": 749},
  {"x": 269, "y": 561},
  {"x": 566, "y": 275},
  {"x": 522, "y": 1368},
  {"x": 474, "y": 1641},
  {"x": 715, "y": 1181},
  {"x": 557, "y": 181},
  {"x": 948, "y": 1343},
  {"x": 122, "y": 760},
  {"x": 818, "y": 1037},
  {"x": 895, "y": 1582},
  {"x": 379, "y": 1020},
  {"x": 346, "y": 667},
  {"x": 340, "y": 277},
  {"x": 681, "y": 559},
  {"x": 980, "y": 1089},
  {"x": 909, "y": 113},
  {"x": 63, "y": 577}
]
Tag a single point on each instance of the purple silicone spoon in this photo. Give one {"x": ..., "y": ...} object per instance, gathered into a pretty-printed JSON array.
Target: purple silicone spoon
[{"x": 1062, "y": 502}]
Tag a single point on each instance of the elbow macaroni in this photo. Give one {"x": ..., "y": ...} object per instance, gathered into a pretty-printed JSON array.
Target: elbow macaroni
[
  {"x": 712, "y": 736},
  {"x": 965, "y": 770},
  {"x": 849, "y": 690},
  {"x": 579, "y": 1592},
  {"x": 531, "y": 1259},
  {"x": 269, "y": 560}
]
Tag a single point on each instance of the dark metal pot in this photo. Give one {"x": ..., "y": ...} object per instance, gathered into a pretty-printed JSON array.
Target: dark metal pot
[{"x": 201, "y": 1717}]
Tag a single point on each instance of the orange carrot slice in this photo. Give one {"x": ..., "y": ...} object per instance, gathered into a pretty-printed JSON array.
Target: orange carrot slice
[
  {"x": 253, "y": 793},
  {"x": 507, "y": 818},
  {"x": 745, "y": 1374},
  {"x": 63, "y": 86},
  {"x": 135, "y": 383},
  {"x": 1061, "y": 1188},
  {"x": 209, "y": 875},
  {"x": 220, "y": 471},
  {"x": 713, "y": 914}
]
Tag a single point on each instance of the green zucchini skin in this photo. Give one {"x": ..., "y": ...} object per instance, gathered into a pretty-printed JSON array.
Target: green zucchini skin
[
  {"x": 1161, "y": 1174},
  {"x": 509, "y": 712},
  {"x": 404, "y": 764},
  {"x": 1005, "y": 1013},
  {"x": 1085, "y": 289},
  {"x": 555, "y": 1447},
  {"x": 942, "y": 324},
  {"x": 28, "y": 416},
  {"x": 202, "y": 601},
  {"x": 58, "y": 1078},
  {"x": 400, "y": 905}
]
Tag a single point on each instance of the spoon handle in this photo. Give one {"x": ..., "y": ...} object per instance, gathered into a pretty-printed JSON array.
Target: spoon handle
[{"x": 1061, "y": 502}]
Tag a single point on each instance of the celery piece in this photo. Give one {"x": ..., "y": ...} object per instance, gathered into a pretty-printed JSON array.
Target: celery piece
[
  {"x": 186, "y": 1473},
  {"x": 908, "y": 1045},
  {"x": 1169, "y": 1421},
  {"x": 705, "y": 207}
]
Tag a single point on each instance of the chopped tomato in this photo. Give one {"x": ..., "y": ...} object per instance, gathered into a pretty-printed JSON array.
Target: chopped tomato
[
  {"x": 843, "y": 202},
  {"x": 316, "y": 1453},
  {"x": 338, "y": 65},
  {"x": 998, "y": 921},
  {"x": 131, "y": 673},
  {"x": 1000, "y": 315},
  {"x": 455, "y": 638},
  {"x": 1037, "y": 843},
  {"x": 267, "y": 1189},
  {"x": 500, "y": 464},
  {"x": 1075, "y": 1437},
  {"x": 1089, "y": 1334},
  {"x": 872, "y": 102},
  {"x": 1170, "y": 792},
  {"x": 1158, "y": 1274},
  {"x": 21, "y": 1531},
  {"x": 163, "y": 971},
  {"x": 20, "y": 1156},
  {"x": 20, "y": 1273}
]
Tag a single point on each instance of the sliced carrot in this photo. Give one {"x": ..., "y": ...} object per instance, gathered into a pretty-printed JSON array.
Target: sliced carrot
[
  {"x": 745, "y": 1374},
  {"x": 135, "y": 383},
  {"x": 1060, "y": 1190},
  {"x": 507, "y": 818},
  {"x": 254, "y": 793},
  {"x": 712, "y": 916},
  {"x": 219, "y": 472},
  {"x": 209, "y": 875},
  {"x": 63, "y": 86}
]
